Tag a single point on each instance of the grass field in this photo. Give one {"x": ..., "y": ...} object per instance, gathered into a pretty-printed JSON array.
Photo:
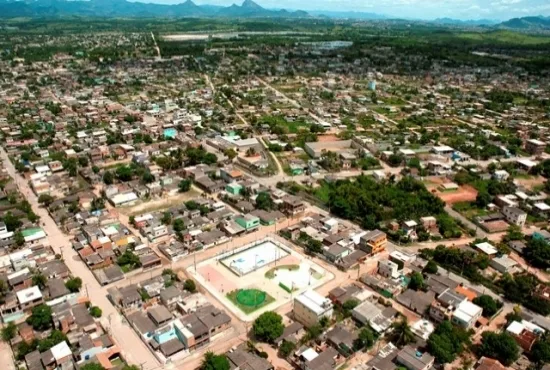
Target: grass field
[{"x": 469, "y": 210}]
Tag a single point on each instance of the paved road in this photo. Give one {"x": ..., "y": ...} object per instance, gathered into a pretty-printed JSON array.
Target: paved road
[{"x": 133, "y": 349}]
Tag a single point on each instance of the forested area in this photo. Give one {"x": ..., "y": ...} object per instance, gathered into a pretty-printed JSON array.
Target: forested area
[{"x": 370, "y": 202}]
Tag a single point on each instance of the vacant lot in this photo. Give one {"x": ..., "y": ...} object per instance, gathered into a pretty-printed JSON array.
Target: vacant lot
[{"x": 160, "y": 204}]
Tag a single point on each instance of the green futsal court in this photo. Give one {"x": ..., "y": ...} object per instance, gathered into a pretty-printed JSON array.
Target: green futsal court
[
  {"x": 249, "y": 300},
  {"x": 251, "y": 297}
]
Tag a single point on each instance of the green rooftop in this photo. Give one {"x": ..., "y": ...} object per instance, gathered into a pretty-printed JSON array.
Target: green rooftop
[{"x": 29, "y": 232}]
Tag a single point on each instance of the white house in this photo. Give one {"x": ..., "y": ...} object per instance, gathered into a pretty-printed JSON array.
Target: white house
[{"x": 310, "y": 307}]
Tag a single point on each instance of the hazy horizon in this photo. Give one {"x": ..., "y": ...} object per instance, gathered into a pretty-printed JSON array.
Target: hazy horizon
[{"x": 409, "y": 9}]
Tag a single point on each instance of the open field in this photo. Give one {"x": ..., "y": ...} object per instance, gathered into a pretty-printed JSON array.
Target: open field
[
  {"x": 464, "y": 193},
  {"x": 160, "y": 204}
]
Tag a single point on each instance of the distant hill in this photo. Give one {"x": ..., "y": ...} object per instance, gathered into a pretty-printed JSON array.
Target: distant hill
[
  {"x": 347, "y": 15},
  {"x": 528, "y": 23},
  {"x": 124, "y": 8},
  {"x": 458, "y": 22}
]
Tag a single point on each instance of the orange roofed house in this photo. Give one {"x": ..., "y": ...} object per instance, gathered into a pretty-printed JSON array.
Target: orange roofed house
[{"x": 373, "y": 242}]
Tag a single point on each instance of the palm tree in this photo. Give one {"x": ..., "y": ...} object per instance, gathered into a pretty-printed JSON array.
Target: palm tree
[
  {"x": 401, "y": 333},
  {"x": 207, "y": 360}
]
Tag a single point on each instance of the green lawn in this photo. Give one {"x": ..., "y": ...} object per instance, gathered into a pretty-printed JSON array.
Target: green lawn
[{"x": 271, "y": 273}]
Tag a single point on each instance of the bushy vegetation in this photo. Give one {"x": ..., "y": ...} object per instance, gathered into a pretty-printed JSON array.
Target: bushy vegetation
[
  {"x": 268, "y": 327},
  {"x": 501, "y": 346},
  {"x": 447, "y": 342},
  {"x": 489, "y": 305},
  {"x": 370, "y": 202}
]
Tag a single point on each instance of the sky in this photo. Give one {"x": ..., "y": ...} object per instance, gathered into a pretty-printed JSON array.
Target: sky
[{"x": 418, "y": 9}]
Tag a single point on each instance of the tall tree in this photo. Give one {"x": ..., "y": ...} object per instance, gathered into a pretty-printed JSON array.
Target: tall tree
[{"x": 268, "y": 327}]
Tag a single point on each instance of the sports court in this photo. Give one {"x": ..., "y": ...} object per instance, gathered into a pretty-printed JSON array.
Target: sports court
[
  {"x": 254, "y": 258},
  {"x": 259, "y": 276}
]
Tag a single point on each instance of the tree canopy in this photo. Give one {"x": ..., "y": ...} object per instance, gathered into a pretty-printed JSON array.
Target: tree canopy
[
  {"x": 365, "y": 339},
  {"x": 190, "y": 285},
  {"x": 92, "y": 366},
  {"x": 500, "y": 346},
  {"x": 417, "y": 281},
  {"x": 520, "y": 288},
  {"x": 74, "y": 284},
  {"x": 537, "y": 253},
  {"x": 184, "y": 186},
  {"x": 447, "y": 342},
  {"x": 41, "y": 317},
  {"x": 490, "y": 306},
  {"x": 286, "y": 348},
  {"x": 212, "y": 361},
  {"x": 540, "y": 353},
  {"x": 370, "y": 202},
  {"x": 268, "y": 327},
  {"x": 264, "y": 201}
]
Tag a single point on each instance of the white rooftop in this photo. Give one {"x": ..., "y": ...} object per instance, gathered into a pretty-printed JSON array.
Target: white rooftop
[
  {"x": 145, "y": 217},
  {"x": 423, "y": 328},
  {"x": 517, "y": 327},
  {"x": 331, "y": 222},
  {"x": 310, "y": 354},
  {"x": 18, "y": 273},
  {"x": 124, "y": 198},
  {"x": 486, "y": 248},
  {"x": 542, "y": 206},
  {"x": 400, "y": 256},
  {"x": 61, "y": 350},
  {"x": 314, "y": 301},
  {"x": 526, "y": 162},
  {"x": 28, "y": 295},
  {"x": 407, "y": 151},
  {"x": 42, "y": 168},
  {"x": 466, "y": 310},
  {"x": 443, "y": 148},
  {"x": 111, "y": 230}
]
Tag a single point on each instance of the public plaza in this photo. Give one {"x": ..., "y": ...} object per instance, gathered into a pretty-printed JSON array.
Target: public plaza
[{"x": 259, "y": 276}]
